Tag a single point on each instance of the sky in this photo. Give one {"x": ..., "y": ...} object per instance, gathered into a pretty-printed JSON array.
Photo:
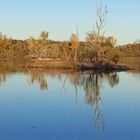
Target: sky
[{"x": 22, "y": 19}]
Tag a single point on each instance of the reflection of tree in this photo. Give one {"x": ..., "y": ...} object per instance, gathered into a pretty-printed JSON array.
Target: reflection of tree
[
  {"x": 38, "y": 77},
  {"x": 113, "y": 79},
  {"x": 90, "y": 83},
  {"x": 2, "y": 78},
  {"x": 74, "y": 79},
  {"x": 4, "y": 74}
]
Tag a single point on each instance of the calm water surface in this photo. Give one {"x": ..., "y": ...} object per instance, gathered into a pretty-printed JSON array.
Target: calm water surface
[{"x": 53, "y": 105}]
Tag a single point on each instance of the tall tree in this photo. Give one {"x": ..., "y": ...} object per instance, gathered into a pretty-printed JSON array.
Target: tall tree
[{"x": 100, "y": 22}]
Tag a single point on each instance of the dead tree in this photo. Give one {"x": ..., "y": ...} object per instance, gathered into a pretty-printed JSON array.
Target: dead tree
[{"x": 101, "y": 14}]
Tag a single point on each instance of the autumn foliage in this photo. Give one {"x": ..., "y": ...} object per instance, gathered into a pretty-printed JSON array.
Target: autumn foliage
[{"x": 94, "y": 48}]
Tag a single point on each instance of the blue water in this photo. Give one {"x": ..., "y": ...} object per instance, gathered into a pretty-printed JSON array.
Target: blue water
[{"x": 69, "y": 106}]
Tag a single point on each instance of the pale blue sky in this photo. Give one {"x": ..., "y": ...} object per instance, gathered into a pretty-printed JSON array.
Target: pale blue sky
[{"x": 23, "y": 18}]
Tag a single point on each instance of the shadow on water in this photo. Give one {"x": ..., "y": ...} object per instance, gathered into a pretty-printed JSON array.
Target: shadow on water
[{"x": 89, "y": 81}]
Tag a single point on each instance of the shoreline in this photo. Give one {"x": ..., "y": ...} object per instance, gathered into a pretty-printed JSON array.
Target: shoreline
[{"x": 64, "y": 64}]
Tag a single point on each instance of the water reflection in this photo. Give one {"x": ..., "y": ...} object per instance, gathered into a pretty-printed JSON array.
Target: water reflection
[
  {"x": 113, "y": 79},
  {"x": 90, "y": 82},
  {"x": 4, "y": 74},
  {"x": 91, "y": 87},
  {"x": 36, "y": 76}
]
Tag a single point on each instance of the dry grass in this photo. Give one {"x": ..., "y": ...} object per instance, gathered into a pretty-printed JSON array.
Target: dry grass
[{"x": 49, "y": 64}]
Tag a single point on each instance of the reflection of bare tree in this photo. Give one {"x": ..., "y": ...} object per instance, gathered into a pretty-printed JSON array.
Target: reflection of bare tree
[{"x": 90, "y": 83}]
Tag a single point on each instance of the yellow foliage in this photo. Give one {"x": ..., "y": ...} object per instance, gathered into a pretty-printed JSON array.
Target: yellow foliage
[{"x": 74, "y": 41}]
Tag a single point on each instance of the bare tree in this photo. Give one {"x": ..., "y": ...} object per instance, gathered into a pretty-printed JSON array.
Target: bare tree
[
  {"x": 101, "y": 14},
  {"x": 97, "y": 39}
]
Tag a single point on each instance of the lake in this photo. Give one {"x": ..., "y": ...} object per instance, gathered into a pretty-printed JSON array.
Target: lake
[{"x": 67, "y": 105}]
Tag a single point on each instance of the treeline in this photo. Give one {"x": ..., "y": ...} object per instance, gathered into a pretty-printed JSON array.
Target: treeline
[
  {"x": 94, "y": 48},
  {"x": 130, "y": 50}
]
